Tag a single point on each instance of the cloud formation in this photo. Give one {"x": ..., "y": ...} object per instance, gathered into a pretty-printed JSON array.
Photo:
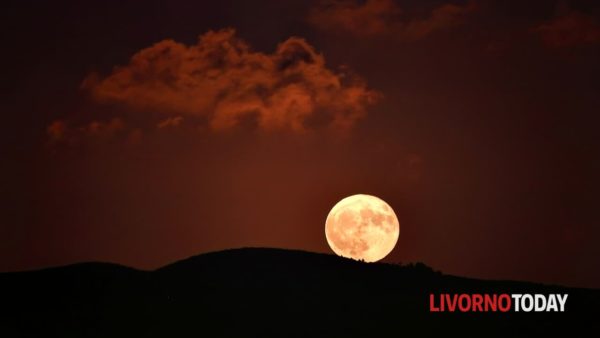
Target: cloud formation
[
  {"x": 62, "y": 132},
  {"x": 223, "y": 81},
  {"x": 384, "y": 18},
  {"x": 573, "y": 29},
  {"x": 170, "y": 122}
]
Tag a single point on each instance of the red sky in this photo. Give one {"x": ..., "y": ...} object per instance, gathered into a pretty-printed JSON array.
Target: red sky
[{"x": 142, "y": 132}]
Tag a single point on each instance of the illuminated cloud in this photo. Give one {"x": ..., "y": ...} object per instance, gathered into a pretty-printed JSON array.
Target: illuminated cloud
[
  {"x": 222, "y": 81},
  {"x": 570, "y": 30},
  {"x": 170, "y": 122},
  {"x": 384, "y": 18},
  {"x": 99, "y": 128},
  {"x": 373, "y": 17}
]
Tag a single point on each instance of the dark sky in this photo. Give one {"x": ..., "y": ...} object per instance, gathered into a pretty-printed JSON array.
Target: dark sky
[{"x": 142, "y": 132}]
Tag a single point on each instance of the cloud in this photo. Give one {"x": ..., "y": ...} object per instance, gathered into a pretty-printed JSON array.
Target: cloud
[
  {"x": 170, "y": 122},
  {"x": 384, "y": 18},
  {"x": 373, "y": 17},
  {"x": 99, "y": 128},
  {"x": 62, "y": 132},
  {"x": 573, "y": 29},
  {"x": 222, "y": 81}
]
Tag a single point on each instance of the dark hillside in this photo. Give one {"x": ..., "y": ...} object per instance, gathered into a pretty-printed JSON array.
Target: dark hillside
[{"x": 267, "y": 292}]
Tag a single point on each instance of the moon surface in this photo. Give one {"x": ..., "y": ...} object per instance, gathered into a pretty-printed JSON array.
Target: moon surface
[{"x": 362, "y": 227}]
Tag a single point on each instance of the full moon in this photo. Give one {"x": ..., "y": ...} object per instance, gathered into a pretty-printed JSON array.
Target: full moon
[{"x": 362, "y": 227}]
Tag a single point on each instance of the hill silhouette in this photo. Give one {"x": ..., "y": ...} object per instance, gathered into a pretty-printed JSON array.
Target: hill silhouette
[{"x": 268, "y": 292}]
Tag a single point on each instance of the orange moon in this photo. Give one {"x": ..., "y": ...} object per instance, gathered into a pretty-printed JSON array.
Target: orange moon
[{"x": 362, "y": 227}]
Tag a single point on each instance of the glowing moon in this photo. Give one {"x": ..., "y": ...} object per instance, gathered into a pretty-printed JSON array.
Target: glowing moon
[{"x": 362, "y": 227}]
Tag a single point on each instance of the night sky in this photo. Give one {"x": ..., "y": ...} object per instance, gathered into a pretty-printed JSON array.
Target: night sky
[{"x": 143, "y": 132}]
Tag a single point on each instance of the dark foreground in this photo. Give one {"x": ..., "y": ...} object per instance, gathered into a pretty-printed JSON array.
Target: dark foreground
[{"x": 268, "y": 293}]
